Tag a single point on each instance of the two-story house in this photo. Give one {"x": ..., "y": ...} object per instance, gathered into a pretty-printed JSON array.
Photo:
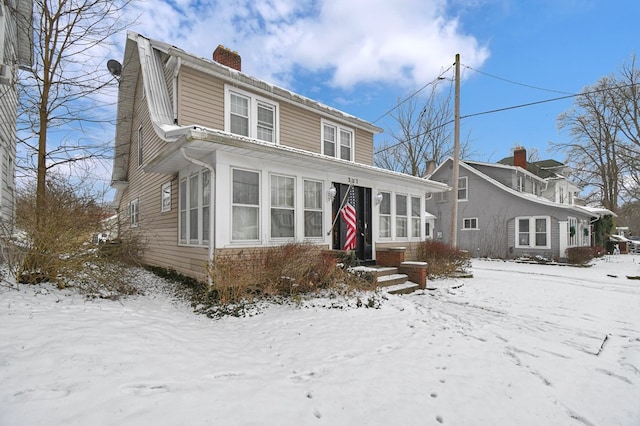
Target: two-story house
[
  {"x": 513, "y": 208},
  {"x": 209, "y": 159},
  {"x": 16, "y": 51}
]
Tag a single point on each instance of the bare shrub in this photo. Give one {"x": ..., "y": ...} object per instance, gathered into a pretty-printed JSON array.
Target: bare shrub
[
  {"x": 56, "y": 246},
  {"x": 443, "y": 260},
  {"x": 579, "y": 255},
  {"x": 287, "y": 270}
]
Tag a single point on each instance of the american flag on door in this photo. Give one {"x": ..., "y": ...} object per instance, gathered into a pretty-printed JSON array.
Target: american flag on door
[{"x": 349, "y": 216}]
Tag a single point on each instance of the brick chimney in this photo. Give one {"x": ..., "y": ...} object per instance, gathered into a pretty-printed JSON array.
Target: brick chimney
[
  {"x": 520, "y": 157},
  {"x": 227, "y": 57}
]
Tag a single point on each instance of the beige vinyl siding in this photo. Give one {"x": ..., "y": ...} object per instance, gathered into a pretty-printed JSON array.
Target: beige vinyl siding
[
  {"x": 157, "y": 230},
  {"x": 299, "y": 128},
  {"x": 200, "y": 99},
  {"x": 364, "y": 147}
]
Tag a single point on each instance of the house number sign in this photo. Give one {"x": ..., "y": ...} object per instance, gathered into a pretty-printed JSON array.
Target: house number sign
[{"x": 352, "y": 180}]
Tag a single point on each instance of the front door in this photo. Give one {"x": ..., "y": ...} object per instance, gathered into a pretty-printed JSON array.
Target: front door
[{"x": 352, "y": 227}]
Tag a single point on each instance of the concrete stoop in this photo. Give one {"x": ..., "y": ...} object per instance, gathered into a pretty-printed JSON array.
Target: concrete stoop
[{"x": 388, "y": 279}]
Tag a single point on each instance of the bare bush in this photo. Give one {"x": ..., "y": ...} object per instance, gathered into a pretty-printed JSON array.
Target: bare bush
[
  {"x": 286, "y": 270},
  {"x": 443, "y": 259}
]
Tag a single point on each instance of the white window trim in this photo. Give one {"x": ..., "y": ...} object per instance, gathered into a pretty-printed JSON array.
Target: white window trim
[
  {"x": 338, "y": 128},
  {"x": 305, "y": 209},
  {"x": 201, "y": 239},
  {"x": 253, "y": 113},
  {"x": 165, "y": 190},
  {"x": 140, "y": 147},
  {"x": 464, "y": 228},
  {"x": 134, "y": 212},
  {"x": 293, "y": 208},
  {"x": 396, "y": 216},
  {"x": 389, "y": 215},
  {"x": 259, "y": 206},
  {"x": 532, "y": 232},
  {"x": 464, "y": 179}
]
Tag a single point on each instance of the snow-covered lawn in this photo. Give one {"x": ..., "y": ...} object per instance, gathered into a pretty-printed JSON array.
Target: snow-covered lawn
[{"x": 516, "y": 345}]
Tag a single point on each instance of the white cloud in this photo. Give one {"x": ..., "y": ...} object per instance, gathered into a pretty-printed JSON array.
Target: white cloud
[{"x": 403, "y": 42}]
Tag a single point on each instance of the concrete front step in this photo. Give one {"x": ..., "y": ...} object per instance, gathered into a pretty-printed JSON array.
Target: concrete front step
[
  {"x": 393, "y": 279},
  {"x": 404, "y": 288}
]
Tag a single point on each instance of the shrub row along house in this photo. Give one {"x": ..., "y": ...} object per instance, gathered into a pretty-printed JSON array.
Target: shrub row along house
[
  {"x": 211, "y": 160},
  {"x": 514, "y": 208}
]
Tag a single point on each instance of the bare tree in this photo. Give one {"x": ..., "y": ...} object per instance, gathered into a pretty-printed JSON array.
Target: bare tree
[
  {"x": 627, "y": 109},
  {"x": 594, "y": 153},
  {"x": 63, "y": 110},
  {"x": 423, "y": 134}
]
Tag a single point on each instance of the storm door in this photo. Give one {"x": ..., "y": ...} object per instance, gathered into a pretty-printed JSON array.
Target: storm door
[{"x": 351, "y": 215}]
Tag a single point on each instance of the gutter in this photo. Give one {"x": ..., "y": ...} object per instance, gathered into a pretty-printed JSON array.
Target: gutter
[{"x": 212, "y": 209}]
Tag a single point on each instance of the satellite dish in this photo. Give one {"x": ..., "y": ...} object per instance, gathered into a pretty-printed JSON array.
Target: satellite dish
[{"x": 114, "y": 67}]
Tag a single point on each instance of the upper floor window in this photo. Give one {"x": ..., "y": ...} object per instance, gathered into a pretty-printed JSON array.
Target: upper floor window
[
  {"x": 462, "y": 188},
  {"x": 140, "y": 146},
  {"x": 442, "y": 196},
  {"x": 250, "y": 115},
  {"x": 337, "y": 141},
  {"x": 521, "y": 183}
]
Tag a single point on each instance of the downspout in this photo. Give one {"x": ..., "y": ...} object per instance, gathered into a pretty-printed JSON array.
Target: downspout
[
  {"x": 175, "y": 90},
  {"x": 212, "y": 208}
]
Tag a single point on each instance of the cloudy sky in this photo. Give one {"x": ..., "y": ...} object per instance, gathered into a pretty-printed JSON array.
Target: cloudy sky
[{"x": 362, "y": 56}]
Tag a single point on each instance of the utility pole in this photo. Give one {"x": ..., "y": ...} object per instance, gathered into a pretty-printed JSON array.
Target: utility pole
[{"x": 453, "y": 230}]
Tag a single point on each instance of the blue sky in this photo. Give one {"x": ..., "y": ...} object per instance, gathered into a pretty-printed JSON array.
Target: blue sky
[{"x": 362, "y": 56}]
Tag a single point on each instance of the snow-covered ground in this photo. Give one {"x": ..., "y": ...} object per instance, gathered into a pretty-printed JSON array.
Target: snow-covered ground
[{"x": 516, "y": 345}]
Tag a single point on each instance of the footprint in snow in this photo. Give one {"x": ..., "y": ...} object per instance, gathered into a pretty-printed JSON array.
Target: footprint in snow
[
  {"x": 41, "y": 394},
  {"x": 143, "y": 389},
  {"x": 387, "y": 348}
]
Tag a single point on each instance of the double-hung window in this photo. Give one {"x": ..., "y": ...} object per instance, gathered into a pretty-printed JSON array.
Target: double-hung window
[
  {"x": 140, "y": 146},
  {"x": 250, "y": 115},
  {"x": 194, "y": 209},
  {"x": 533, "y": 232},
  {"x": 442, "y": 196},
  {"x": 282, "y": 207},
  {"x": 312, "y": 209},
  {"x": 133, "y": 213},
  {"x": 165, "y": 200},
  {"x": 245, "y": 221},
  {"x": 416, "y": 229},
  {"x": 462, "y": 188},
  {"x": 337, "y": 141},
  {"x": 401, "y": 216},
  {"x": 385, "y": 215}
]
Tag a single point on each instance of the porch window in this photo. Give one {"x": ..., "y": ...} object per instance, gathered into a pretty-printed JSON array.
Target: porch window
[
  {"x": 415, "y": 217},
  {"x": 245, "y": 205},
  {"x": 385, "y": 215},
  {"x": 194, "y": 195},
  {"x": 462, "y": 188},
  {"x": 337, "y": 141},
  {"x": 250, "y": 115},
  {"x": 401, "y": 216},
  {"x": 206, "y": 204},
  {"x": 533, "y": 232},
  {"x": 312, "y": 209},
  {"x": 133, "y": 213},
  {"x": 282, "y": 207}
]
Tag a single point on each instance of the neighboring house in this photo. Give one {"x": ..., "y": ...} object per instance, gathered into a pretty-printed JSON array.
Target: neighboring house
[
  {"x": 513, "y": 208},
  {"x": 209, "y": 159},
  {"x": 16, "y": 51}
]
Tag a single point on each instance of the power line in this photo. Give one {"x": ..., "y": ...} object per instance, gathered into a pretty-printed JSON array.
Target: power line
[
  {"x": 515, "y": 82},
  {"x": 574, "y": 95},
  {"x": 413, "y": 94}
]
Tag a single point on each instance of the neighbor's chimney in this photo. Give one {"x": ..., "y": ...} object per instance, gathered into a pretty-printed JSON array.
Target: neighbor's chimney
[
  {"x": 520, "y": 157},
  {"x": 227, "y": 57}
]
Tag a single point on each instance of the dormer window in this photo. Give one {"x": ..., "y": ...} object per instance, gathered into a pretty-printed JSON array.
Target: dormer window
[
  {"x": 249, "y": 115},
  {"x": 337, "y": 141}
]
